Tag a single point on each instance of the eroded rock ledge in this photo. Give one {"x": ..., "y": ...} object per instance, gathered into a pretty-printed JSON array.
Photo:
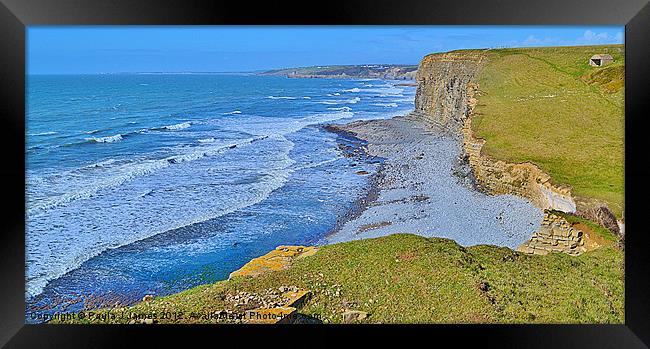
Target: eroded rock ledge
[
  {"x": 498, "y": 177},
  {"x": 280, "y": 258},
  {"x": 556, "y": 235}
]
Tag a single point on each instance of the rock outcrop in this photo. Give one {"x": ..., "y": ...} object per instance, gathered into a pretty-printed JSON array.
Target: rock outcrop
[
  {"x": 280, "y": 258},
  {"x": 272, "y": 306},
  {"x": 555, "y": 235},
  {"x": 603, "y": 216}
]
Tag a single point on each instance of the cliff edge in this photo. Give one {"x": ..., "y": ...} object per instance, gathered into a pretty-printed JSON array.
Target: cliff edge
[{"x": 531, "y": 122}]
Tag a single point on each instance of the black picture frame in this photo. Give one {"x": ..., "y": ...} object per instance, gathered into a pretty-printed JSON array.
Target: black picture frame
[{"x": 16, "y": 15}]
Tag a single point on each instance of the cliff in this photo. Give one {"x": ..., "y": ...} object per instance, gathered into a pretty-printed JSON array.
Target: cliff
[
  {"x": 442, "y": 87},
  {"x": 447, "y": 85}
]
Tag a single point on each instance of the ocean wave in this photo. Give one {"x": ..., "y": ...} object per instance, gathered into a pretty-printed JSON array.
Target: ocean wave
[
  {"x": 233, "y": 112},
  {"x": 43, "y": 133},
  {"x": 79, "y": 187},
  {"x": 117, "y": 137},
  {"x": 99, "y": 164},
  {"x": 385, "y": 91},
  {"x": 353, "y": 90},
  {"x": 258, "y": 125},
  {"x": 280, "y": 97},
  {"x": 94, "y": 244},
  {"x": 347, "y": 101},
  {"x": 176, "y": 127},
  {"x": 387, "y": 105},
  {"x": 323, "y": 118},
  {"x": 76, "y": 184},
  {"x": 206, "y": 140},
  {"x": 340, "y": 108},
  {"x": 334, "y": 94},
  {"x": 108, "y": 139}
]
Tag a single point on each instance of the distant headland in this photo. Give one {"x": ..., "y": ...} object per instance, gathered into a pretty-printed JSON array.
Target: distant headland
[{"x": 370, "y": 71}]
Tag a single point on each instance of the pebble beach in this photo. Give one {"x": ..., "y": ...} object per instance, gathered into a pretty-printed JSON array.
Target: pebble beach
[{"x": 423, "y": 188}]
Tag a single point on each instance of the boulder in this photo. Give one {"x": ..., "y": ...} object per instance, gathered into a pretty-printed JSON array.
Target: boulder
[
  {"x": 350, "y": 316},
  {"x": 280, "y": 258}
]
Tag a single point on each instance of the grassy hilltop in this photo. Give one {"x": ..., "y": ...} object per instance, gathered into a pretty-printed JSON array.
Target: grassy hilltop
[
  {"x": 411, "y": 279},
  {"x": 548, "y": 106}
]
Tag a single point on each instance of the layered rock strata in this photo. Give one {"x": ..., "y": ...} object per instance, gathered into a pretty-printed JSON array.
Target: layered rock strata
[{"x": 555, "y": 235}]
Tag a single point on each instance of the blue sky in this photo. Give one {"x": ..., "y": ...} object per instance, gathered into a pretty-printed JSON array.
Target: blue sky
[{"x": 87, "y": 50}]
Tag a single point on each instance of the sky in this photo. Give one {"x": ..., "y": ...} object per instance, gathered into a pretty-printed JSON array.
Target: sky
[{"x": 124, "y": 49}]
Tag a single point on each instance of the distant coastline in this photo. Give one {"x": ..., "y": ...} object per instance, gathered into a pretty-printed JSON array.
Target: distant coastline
[{"x": 366, "y": 71}]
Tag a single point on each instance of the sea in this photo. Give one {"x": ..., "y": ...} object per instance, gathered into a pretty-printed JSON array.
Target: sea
[{"x": 150, "y": 184}]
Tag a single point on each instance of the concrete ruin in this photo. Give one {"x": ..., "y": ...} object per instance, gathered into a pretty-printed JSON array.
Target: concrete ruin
[{"x": 600, "y": 60}]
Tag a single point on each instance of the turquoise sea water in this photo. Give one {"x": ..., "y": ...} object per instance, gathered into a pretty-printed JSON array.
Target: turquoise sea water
[{"x": 154, "y": 183}]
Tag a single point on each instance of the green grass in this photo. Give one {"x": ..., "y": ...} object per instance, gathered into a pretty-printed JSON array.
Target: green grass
[
  {"x": 548, "y": 106},
  {"x": 411, "y": 279}
]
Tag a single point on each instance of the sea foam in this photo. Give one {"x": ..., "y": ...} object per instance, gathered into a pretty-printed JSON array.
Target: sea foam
[
  {"x": 176, "y": 127},
  {"x": 107, "y": 139}
]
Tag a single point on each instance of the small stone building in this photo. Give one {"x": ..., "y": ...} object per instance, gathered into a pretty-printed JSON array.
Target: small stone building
[{"x": 600, "y": 60}]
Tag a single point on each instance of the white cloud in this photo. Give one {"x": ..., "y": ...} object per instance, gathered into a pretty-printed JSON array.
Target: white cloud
[
  {"x": 591, "y": 37},
  {"x": 620, "y": 38},
  {"x": 532, "y": 40}
]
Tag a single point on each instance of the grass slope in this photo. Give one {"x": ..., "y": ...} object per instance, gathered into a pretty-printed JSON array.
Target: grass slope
[
  {"x": 411, "y": 279},
  {"x": 548, "y": 106}
]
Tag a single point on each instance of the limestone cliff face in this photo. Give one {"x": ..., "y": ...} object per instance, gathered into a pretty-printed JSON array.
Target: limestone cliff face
[
  {"x": 446, "y": 93},
  {"x": 443, "y": 81}
]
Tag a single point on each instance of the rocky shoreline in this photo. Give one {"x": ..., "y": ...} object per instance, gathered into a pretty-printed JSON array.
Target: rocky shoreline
[{"x": 424, "y": 187}]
